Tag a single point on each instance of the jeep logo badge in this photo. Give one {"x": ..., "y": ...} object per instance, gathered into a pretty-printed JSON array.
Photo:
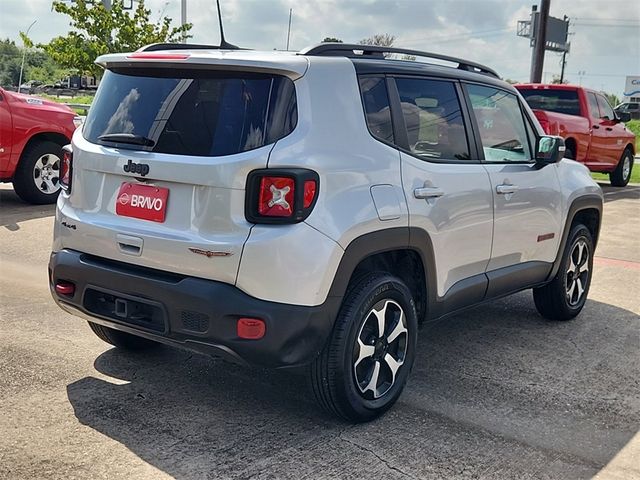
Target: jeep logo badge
[{"x": 140, "y": 168}]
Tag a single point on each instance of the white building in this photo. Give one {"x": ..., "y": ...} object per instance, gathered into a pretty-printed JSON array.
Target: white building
[{"x": 632, "y": 89}]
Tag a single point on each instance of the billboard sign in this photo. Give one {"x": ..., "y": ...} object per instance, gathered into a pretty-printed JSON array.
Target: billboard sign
[{"x": 632, "y": 87}]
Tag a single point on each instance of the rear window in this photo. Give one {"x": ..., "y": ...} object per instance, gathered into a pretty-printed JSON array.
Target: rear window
[
  {"x": 196, "y": 112},
  {"x": 561, "y": 101}
]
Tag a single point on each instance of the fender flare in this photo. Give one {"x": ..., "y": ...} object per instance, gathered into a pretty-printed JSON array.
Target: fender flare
[{"x": 585, "y": 202}]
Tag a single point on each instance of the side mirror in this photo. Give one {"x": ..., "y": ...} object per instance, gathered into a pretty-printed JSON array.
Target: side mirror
[
  {"x": 623, "y": 116},
  {"x": 550, "y": 149}
]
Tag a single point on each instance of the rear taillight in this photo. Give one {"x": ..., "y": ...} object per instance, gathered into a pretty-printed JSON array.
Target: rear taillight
[
  {"x": 280, "y": 195},
  {"x": 66, "y": 167}
]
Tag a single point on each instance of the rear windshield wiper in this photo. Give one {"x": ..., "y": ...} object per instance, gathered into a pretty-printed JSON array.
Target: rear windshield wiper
[{"x": 127, "y": 138}]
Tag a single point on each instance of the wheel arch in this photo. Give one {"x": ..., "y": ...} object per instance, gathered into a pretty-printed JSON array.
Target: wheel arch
[
  {"x": 631, "y": 148},
  {"x": 571, "y": 144},
  {"x": 54, "y": 137},
  {"x": 402, "y": 251},
  {"x": 587, "y": 210}
]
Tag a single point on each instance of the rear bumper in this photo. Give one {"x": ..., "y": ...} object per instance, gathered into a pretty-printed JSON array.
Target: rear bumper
[{"x": 189, "y": 312}]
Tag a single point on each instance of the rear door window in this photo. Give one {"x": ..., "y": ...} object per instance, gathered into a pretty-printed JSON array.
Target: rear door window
[{"x": 198, "y": 113}]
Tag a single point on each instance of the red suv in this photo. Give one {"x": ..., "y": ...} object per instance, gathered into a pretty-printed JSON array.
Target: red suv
[{"x": 32, "y": 134}]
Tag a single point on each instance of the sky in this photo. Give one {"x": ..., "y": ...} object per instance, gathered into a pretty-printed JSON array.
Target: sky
[{"x": 604, "y": 34}]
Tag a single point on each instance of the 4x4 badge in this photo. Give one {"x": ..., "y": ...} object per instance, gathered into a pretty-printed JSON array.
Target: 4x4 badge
[{"x": 141, "y": 168}]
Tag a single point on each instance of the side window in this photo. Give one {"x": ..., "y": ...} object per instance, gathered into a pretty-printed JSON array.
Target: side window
[
  {"x": 433, "y": 119},
  {"x": 375, "y": 99},
  {"x": 501, "y": 125},
  {"x": 593, "y": 105},
  {"x": 605, "y": 109}
]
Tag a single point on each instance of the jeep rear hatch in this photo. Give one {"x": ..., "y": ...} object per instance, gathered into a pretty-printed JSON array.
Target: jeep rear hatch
[{"x": 160, "y": 167}]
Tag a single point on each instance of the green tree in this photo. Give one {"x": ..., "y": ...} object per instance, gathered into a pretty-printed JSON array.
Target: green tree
[
  {"x": 612, "y": 98},
  {"x": 379, "y": 39},
  {"x": 331, "y": 40},
  {"x": 97, "y": 31}
]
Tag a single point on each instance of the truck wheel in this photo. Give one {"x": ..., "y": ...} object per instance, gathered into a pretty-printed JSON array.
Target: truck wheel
[
  {"x": 621, "y": 175},
  {"x": 363, "y": 369},
  {"x": 36, "y": 178},
  {"x": 564, "y": 297},
  {"x": 122, "y": 340}
]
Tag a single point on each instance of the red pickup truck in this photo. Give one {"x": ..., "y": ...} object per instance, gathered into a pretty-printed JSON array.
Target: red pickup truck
[
  {"x": 32, "y": 134},
  {"x": 593, "y": 133}
]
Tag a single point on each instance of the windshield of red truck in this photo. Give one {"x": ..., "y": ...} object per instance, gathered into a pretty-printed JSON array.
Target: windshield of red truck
[{"x": 561, "y": 101}]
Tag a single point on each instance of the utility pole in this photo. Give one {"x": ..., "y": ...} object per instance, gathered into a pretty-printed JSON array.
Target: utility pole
[
  {"x": 537, "y": 62},
  {"x": 289, "y": 30},
  {"x": 564, "y": 58}
]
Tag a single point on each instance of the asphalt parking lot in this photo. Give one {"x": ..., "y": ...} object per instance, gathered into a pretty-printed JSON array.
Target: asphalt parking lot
[{"x": 496, "y": 392}]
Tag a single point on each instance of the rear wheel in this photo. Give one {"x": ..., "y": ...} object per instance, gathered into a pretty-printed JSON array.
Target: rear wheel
[
  {"x": 122, "y": 340},
  {"x": 564, "y": 297},
  {"x": 37, "y": 177},
  {"x": 622, "y": 174},
  {"x": 363, "y": 369}
]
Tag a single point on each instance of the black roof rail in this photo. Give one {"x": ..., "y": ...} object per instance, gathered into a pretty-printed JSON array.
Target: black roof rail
[
  {"x": 154, "y": 47},
  {"x": 374, "y": 51}
]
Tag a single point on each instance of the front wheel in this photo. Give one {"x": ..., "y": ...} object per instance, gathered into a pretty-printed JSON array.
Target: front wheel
[
  {"x": 37, "y": 176},
  {"x": 564, "y": 297},
  {"x": 363, "y": 369},
  {"x": 622, "y": 174}
]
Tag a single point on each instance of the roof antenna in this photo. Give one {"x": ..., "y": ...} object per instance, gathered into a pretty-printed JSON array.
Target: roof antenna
[{"x": 223, "y": 43}]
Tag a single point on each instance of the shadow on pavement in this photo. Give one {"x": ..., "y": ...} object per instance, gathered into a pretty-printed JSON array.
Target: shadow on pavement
[
  {"x": 13, "y": 210},
  {"x": 630, "y": 192},
  {"x": 496, "y": 392}
]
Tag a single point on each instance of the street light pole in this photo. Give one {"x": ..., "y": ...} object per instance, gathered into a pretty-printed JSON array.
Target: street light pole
[{"x": 24, "y": 53}]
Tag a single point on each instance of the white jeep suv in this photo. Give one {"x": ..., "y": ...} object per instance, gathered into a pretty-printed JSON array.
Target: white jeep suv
[{"x": 313, "y": 208}]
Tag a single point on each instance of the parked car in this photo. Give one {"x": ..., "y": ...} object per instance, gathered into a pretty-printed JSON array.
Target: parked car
[
  {"x": 593, "y": 133},
  {"x": 632, "y": 108},
  {"x": 312, "y": 208},
  {"x": 32, "y": 133}
]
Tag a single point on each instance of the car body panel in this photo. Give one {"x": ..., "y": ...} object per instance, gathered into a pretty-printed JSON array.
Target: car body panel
[
  {"x": 600, "y": 142},
  {"x": 29, "y": 116}
]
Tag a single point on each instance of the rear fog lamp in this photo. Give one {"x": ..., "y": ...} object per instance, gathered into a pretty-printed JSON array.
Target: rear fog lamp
[
  {"x": 250, "y": 328},
  {"x": 65, "y": 288}
]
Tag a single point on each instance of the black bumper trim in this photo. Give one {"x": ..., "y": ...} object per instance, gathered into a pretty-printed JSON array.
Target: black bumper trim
[{"x": 201, "y": 314}]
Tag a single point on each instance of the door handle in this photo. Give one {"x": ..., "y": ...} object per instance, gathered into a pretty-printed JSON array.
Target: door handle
[
  {"x": 506, "y": 189},
  {"x": 596, "y": 127},
  {"x": 608, "y": 129},
  {"x": 428, "y": 192}
]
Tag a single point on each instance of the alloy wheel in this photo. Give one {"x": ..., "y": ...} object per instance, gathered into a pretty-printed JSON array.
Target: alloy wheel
[
  {"x": 577, "y": 272},
  {"x": 381, "y": 349},
  {"x": 46, "y": 173}
]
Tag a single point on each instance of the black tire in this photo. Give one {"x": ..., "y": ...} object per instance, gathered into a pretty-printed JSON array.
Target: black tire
[
  {"x": 25, "y": 182},
  {"x": 557, "y": 300},
  {"x": 621, "y": 175},
  {"x": 338, "y": 378},
  {"x": 122, "y": 340}
]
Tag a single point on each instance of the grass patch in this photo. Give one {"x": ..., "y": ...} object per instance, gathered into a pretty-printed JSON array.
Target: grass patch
[
  {"x": 83, "y": 99},
  {"x": 604, "y": 177}
]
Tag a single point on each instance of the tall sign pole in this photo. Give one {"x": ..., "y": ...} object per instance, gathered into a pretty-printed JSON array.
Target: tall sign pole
[
  {"x": 537, "y": 63},
  {"x": 183, "y": 17}
]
